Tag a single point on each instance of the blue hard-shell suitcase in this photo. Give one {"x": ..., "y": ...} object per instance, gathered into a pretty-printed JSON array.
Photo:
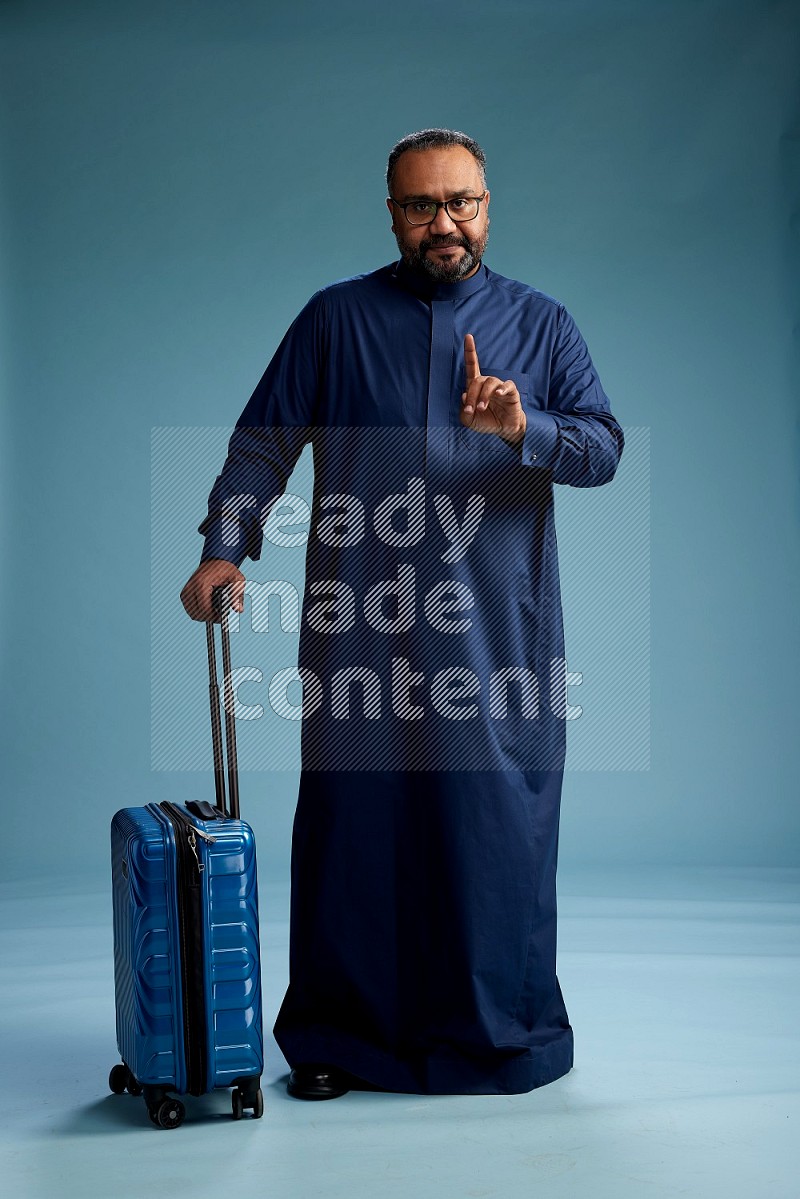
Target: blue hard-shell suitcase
[{"x": 186, "y": 945}]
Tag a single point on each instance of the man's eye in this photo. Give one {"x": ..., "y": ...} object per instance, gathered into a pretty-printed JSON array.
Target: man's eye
[
  {"x": 420, "y": 207},
  {"x": 458, "y": 204}
]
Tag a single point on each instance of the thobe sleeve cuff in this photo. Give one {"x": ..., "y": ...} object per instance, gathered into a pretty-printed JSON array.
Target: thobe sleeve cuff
[
  {"x": 540, "y": 440},
  {"x": 215, "y": 547}
]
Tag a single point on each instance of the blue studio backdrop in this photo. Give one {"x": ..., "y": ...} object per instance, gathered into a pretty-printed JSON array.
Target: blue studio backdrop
[{"x": 178, "y": 182}]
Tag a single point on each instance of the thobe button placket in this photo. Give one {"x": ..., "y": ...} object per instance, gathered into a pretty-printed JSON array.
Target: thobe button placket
[{"x": 437, "y": 440}]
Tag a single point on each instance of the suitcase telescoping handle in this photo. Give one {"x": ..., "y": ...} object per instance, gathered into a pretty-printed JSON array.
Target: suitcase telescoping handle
[{"x": 221, "y": 604}]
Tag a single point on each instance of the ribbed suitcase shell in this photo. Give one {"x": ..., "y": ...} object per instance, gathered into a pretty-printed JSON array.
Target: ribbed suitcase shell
[{"x": 149, "y": 1001}]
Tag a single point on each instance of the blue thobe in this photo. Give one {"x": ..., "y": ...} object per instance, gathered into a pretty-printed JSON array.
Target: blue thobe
[{"x": 424, "y": 847}]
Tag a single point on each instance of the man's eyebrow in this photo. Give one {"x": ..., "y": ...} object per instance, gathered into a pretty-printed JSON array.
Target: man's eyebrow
[{"x": 465, "y": 191}]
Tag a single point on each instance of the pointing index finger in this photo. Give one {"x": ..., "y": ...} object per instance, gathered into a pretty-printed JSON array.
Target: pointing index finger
[{"x": 471, "y": 364}]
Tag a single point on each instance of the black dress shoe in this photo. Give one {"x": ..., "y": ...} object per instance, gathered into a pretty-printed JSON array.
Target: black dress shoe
[{"x": 317, "y": 1081}]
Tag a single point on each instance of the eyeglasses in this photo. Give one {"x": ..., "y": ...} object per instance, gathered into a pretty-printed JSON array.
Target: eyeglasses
[{"x": 422, "y": 212}]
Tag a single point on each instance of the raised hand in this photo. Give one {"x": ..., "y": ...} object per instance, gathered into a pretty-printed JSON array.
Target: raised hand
[{"x": 490, "y": 405}]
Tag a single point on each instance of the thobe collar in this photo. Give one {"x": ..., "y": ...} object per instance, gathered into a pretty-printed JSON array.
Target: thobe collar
[{"x": 431, "y": 289}]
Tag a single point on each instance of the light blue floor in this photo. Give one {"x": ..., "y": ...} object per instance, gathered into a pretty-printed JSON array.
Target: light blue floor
[{"x": 682, "y": 988}]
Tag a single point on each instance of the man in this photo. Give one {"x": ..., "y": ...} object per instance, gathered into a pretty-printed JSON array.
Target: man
[{"x": 442, "y": 401}]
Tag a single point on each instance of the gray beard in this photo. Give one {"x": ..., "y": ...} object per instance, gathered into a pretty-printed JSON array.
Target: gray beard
[{"x": 442, "y": 272}]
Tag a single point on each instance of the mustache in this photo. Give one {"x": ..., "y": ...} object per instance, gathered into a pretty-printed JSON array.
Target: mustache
[{"x": 430, "y": 243}]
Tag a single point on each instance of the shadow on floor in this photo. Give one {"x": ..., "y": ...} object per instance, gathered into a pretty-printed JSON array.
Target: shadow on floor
[{"x": 116, "y": 1113}]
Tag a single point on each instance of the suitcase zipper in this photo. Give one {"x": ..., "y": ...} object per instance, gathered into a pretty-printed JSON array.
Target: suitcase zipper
[
  {"x": 192, "y": 839},
  {"x": 192, "y": 960}
]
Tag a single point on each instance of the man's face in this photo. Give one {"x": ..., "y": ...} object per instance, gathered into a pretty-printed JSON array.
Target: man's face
[{"x": 444, "y": 250}]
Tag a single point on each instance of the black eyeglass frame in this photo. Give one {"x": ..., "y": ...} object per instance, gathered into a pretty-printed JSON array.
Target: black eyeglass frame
[{"x": 441, "y": 204}]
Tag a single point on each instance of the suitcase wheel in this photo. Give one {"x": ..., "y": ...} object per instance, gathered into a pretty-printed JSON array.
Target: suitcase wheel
[
  {"x": 253, "y": 1100},
  {"x": 120, "y": 1080},
  {"x": 169, "y": 1113}
]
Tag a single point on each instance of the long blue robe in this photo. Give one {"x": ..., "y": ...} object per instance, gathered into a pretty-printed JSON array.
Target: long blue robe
[{"x": 425, "y": 840}]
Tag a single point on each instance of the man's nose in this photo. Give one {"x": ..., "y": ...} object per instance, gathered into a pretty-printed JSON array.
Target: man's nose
[{"x": 442, "y": 224}]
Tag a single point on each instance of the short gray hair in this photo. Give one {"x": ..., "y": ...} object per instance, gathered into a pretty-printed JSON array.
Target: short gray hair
[{"x": 429, "y": 139}]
